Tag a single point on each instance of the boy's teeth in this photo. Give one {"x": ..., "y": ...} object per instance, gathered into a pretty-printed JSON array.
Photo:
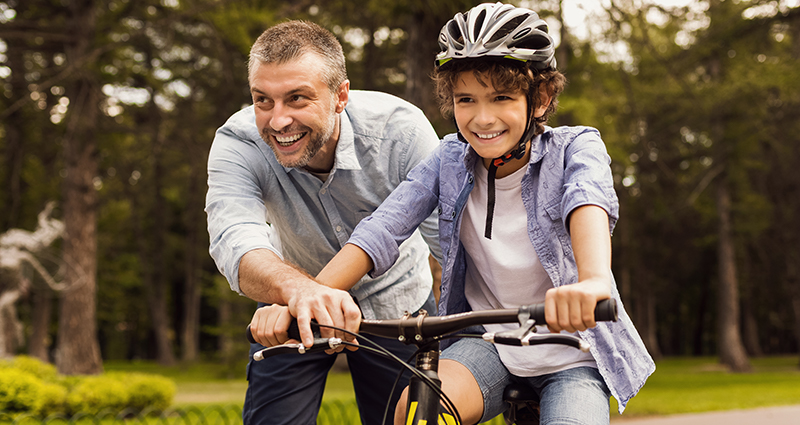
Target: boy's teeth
[
  {"x": 286, "y": 141},
  {"x": 488, "y": 136}
]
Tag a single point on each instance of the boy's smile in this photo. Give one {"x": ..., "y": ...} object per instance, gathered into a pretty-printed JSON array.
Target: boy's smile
[{"x": 491, "y": 121}]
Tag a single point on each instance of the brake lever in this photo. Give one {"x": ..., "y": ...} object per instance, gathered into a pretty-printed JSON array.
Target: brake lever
[{"x": 320, "y": 344}]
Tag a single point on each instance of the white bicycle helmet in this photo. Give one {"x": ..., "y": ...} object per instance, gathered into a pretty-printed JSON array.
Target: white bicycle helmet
[{"x": 497, "y": 30}]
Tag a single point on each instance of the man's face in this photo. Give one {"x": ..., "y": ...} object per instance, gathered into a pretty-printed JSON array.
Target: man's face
[{"x": 296, "y": 113}]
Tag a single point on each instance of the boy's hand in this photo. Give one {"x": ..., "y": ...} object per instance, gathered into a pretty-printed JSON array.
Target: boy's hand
[{"x": 571, "y": 307}]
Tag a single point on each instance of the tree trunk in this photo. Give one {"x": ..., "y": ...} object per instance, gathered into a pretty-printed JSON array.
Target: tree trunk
[
  {"x": 42, "y": 311},
  {"x": 731, "y": 349},
  {"x": 156, "y": 284},
  {"x": 13, "y": 138},
  {"x": 78, "y": 348},
  {"x": 191, "y": 318},
  {"x": 423, "y": 33}
]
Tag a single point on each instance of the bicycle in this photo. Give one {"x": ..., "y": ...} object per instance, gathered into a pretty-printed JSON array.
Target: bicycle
[{"x": 427, "y": 404}]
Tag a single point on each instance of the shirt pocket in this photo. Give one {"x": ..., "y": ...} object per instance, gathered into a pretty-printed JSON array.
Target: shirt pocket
[
  {"x": 447, "y": 220},
  {"x": 556, "y": 227}
]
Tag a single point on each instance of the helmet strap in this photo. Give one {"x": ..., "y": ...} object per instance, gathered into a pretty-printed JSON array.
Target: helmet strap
[{"x": 517, "y": 153}]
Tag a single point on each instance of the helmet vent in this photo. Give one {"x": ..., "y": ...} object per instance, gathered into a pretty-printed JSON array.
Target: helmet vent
[
  {"x": 533, "y": 41},
  {"x": 455, "y": 33},
  {"x": 479, "y": 22},
  {"x": 522, "y": 33},
  {"x": 508, "y": 27}
]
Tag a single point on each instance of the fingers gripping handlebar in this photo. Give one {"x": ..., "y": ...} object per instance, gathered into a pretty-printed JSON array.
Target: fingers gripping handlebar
[{"x": 415, "y": 329}]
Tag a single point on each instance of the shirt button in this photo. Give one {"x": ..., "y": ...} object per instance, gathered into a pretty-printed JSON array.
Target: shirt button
[
  {"x": 470, "y": 179},
  {"x": 322, "y": 192},
  {"x": 338, "y": 228},
  {"x": 440, "y": 210},
  {"x": 453, "y": 214}
]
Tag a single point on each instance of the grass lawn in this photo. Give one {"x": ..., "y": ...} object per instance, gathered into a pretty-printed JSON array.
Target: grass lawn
[
  {"x": 679, "y": 385},
  {"x": 685, "y": 385}
]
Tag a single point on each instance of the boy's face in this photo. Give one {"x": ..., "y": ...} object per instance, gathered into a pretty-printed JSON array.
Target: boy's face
[{"x": 491, "y": 121}]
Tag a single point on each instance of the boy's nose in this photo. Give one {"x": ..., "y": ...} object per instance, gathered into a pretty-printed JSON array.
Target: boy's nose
[{"x": 485, "y": 117}]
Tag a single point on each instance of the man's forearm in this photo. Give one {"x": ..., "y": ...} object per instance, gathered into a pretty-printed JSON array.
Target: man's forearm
[{"x": 264, "y": 277}]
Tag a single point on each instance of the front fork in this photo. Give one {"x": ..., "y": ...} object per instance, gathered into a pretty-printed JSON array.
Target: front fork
[{"x": 423, "y": 406}]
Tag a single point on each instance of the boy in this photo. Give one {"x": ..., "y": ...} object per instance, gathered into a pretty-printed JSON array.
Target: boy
[{"x": 525, "y": 214}]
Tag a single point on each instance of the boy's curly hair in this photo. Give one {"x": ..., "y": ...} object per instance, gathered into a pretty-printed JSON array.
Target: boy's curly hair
[{"x": 504, "y": 75}]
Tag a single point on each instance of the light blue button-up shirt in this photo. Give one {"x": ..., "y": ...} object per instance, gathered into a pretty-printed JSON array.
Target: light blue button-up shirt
[
  {"x": 568, "y": 168},
  {"x": 381, "y": 139}
]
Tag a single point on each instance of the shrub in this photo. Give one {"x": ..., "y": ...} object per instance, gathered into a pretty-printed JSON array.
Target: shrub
[
  {"x": 44, "y": 371},
  {"x": 52, "y": 399},
  {"x": 96, "y": 393},
  {"x": 19, "y": 391},
  {"x": 149, "y": 391}
]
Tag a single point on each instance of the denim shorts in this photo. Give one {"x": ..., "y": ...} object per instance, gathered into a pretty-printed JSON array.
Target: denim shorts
[{"x": 572, "y": 396}]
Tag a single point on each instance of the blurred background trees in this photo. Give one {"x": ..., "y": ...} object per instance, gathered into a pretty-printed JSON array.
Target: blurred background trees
[{"x": 110, "y": 107}]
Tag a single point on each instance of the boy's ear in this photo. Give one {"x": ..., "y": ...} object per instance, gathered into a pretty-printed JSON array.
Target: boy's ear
[{"x": 544, "y": 102}]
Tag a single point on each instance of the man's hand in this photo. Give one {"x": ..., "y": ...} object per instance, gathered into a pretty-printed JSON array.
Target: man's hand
[{"x": 328, "y": 306}]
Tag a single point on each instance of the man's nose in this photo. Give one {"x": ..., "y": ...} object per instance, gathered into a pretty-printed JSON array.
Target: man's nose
[{"x": 281, "y": 117}]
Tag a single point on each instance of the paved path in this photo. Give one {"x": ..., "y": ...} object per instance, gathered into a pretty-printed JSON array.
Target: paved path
[{"x": 780, "y": 415}]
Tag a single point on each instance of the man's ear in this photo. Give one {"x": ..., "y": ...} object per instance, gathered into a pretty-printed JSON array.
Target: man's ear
[
  {"x": 342, "y": 96},
  {"x": 544, "y": 102}
]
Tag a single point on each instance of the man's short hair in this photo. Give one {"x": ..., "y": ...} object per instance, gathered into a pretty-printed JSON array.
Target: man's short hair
[{"x": 290, "y": 40}]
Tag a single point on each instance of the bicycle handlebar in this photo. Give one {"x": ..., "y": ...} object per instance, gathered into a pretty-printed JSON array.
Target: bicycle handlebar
[{"x": 422, "y": 327}]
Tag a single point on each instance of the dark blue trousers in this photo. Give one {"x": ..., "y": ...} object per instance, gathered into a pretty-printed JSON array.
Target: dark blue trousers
[{"x": 287, "y": 389}]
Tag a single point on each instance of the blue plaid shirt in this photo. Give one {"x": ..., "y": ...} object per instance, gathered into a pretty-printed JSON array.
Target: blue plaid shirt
[{"x": 568, "y": 168}]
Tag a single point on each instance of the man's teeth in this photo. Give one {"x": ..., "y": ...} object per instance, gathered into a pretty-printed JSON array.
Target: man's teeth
[
  {"x": 288, "y": 140},
  {"x": 488, "y": 136}
]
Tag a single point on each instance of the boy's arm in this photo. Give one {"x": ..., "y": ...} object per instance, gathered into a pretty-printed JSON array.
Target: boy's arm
[
  {"x": 346, "y": 268},
  {"x": 571, "y": 307}
]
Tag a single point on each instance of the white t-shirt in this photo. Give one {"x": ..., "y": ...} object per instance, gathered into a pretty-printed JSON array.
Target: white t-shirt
[{"x": 505, "y": 272}]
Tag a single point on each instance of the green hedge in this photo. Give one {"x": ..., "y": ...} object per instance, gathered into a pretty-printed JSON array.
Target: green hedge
[{"x": 33, "y": 388}]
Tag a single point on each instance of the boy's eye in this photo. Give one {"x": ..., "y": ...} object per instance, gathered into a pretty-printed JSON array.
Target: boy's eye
[
  {"x": 503, "y": 97},
  {"x": 463, "y": 99}
]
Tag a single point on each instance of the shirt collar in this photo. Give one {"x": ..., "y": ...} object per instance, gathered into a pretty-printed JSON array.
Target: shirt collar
[{"x": 346, "y": 157}]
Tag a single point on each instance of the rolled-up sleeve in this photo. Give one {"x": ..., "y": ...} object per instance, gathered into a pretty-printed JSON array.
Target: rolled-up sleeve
[
  {"x": 234, "y": 203},
  {"x": 588, "y": 179}
]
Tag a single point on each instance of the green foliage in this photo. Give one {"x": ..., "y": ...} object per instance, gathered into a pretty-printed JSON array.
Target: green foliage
[
  {"x": 94, "y": 394},
  {"x": 19, "y": 391},
  {"x": 34, "y": 366},
  {"x": 30, "y": 386},
  {"x": 148, "y": 391}
]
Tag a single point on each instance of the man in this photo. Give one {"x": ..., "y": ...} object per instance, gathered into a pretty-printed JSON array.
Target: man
[{"x": 289, "y": 179}]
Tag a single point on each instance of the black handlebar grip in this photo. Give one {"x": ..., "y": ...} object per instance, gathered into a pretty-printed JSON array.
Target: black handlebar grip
[{"x": 605, "y": 311}]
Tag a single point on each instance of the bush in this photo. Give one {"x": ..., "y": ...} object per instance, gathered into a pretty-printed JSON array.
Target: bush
[
  {"x": 44, "y": 371},
  {"x": 148, "y": 391},
  {"x": 19, "y": 391},
  {"x": 96, "y": 393},
  {"x": 29, "y": 386},
  {"x": 52, "y": 399}
]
